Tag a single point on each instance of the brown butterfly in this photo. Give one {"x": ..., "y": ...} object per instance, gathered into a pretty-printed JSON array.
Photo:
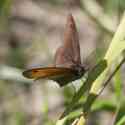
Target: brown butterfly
[{"x": 68, "y": 65}]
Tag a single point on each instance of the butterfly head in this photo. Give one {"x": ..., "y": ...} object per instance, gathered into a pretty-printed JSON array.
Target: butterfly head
[{"x": 80, "y": 70}]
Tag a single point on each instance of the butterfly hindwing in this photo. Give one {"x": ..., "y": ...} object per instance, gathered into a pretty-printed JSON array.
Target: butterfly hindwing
[{"x": 69, "y": 52}]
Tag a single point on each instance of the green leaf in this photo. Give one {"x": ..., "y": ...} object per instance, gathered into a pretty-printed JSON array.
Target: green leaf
[
  {"x": 118, "y": 85},
  {"x": 92, "y": 96},
  {"x": 116, "y": 47},
  {"x": 104, "y": 104},
  {"x": 62, "y": 121},
  {"x": 115, "y": 50},
  {"x": 120, "y": 111},
  {"x": 121, "y": 121}
]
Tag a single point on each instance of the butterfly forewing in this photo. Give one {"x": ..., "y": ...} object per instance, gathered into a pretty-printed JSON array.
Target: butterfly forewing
[{"x": 48, "y": 72}]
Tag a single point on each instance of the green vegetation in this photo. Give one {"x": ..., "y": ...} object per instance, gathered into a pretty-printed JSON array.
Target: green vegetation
[{"x": 29, "y": 35}]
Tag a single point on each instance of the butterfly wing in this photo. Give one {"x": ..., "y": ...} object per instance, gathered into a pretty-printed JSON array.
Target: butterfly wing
[
  {"x": 61, "y": 75},
  {"x": 70, "y": 51},
  {"x": 67, "y": 57}
]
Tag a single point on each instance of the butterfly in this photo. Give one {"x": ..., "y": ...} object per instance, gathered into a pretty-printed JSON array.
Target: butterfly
[{"x": 67, "y": 67}]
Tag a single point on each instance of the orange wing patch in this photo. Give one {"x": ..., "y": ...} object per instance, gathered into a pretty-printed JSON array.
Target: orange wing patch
[{"x": 47, "y": 72}]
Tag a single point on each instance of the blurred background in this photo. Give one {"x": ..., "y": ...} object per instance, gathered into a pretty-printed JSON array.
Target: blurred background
[{"x": 30, "y": 33}]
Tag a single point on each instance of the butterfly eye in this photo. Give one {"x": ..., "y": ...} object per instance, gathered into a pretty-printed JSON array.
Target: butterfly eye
[{"x": 80, "y": 70}]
